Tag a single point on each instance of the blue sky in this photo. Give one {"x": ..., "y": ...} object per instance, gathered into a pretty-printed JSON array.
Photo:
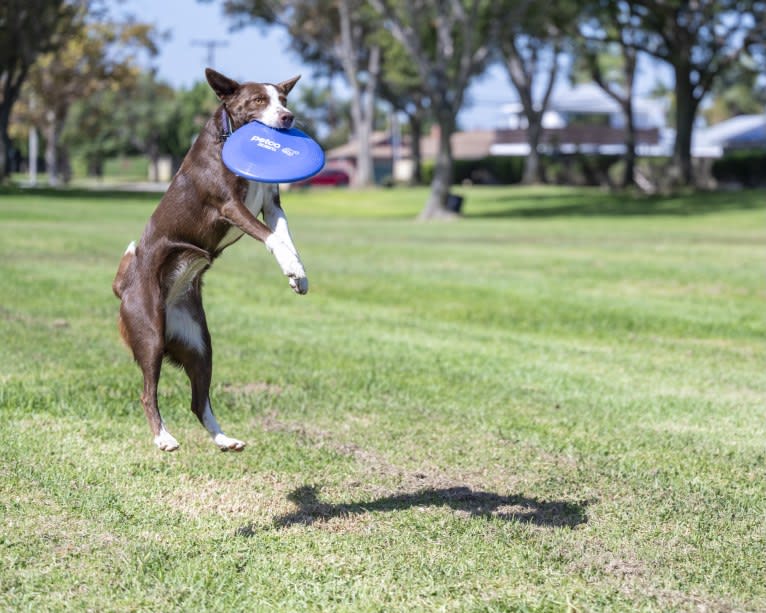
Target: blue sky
[{"x": 260, "y": 54}]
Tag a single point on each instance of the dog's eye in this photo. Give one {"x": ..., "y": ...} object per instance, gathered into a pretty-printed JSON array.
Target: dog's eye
[{"x": 260, "y": 100}]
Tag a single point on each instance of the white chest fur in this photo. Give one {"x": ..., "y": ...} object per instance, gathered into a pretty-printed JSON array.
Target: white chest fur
[
  {"x": 257, "y": 193},
  {"x": 180, "y": 324}
]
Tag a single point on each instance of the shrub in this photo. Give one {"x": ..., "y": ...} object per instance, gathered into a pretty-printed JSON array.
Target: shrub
[
  {"x": 747, "y": 168},
  {"x": 492, "y": 170}
]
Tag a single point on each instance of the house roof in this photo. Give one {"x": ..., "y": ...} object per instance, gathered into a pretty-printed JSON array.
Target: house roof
[
  {"x": 740, "y": 131},
  {"x": 590, "y": 98},
  {"x": 465, "y": 146},
  {"x": 378, "y": 142},
  {"x": 586, "y": 97}
]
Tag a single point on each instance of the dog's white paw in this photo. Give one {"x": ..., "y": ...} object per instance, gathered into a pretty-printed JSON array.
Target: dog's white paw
[
  {"x": 300, "y": 285},
  {"x": 289, "y": 263},
  {"x": 166, "y": 441},
  {"x": 226, "y": 443}
]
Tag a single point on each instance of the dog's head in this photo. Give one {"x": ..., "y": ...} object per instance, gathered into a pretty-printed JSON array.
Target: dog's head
[{"x": 246, "y": 102}]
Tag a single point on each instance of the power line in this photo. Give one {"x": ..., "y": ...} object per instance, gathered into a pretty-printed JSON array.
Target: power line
[{"x": 211, "y": 46}]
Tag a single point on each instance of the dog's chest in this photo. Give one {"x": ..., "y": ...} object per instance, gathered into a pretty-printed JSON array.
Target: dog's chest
[{"x": 257, "y": 193}]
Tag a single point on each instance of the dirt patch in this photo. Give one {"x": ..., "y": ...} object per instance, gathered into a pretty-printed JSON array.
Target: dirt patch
[
  {"x": 377, "y": 466},
  {"x": 594, "y": 555},
  {"x": 633, "y": 578},
  {"x": 371, "y": 461},
  {"x": 245, "y": 497},
  {"x": 59, "y": 537}
]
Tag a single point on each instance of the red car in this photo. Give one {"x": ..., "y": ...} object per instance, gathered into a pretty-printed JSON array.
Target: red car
[{"x": 327, "y": 177}]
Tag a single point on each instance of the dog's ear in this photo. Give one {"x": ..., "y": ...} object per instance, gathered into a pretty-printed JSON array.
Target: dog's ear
[
  {"x": 222, "y": 86},
  {"x": 286, "y": 86}
]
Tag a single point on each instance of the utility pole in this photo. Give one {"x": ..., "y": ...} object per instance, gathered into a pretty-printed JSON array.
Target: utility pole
[{"x": 211, "y": 45}]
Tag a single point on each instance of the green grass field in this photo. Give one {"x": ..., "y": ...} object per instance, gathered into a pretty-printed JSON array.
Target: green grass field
[{"x": 557, "y": 403}]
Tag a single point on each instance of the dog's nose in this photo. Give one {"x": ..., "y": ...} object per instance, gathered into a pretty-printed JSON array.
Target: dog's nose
[{"x": 286, "y": 119}]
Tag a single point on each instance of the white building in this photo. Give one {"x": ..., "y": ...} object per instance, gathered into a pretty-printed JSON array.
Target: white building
[{"x": 587, "y": 105}]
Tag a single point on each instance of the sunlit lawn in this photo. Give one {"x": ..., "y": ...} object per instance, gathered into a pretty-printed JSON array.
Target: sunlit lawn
[{"x": 558, "y": 401}]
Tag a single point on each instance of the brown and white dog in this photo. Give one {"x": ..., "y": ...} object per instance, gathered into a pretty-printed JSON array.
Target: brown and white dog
[{"x": 205, "y": 209}]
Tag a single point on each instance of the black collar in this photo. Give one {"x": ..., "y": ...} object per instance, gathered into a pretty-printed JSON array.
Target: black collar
[{"x": 225, "y": 126}]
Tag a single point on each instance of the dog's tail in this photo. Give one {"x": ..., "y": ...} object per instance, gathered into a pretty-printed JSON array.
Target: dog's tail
[{"x": 127, "y": 258}]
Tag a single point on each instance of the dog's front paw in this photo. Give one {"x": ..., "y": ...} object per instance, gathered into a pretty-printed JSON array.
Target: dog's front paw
[
  {"x": 226, "y": 443},
  {"x": 289, "y": 263},
  {"x": 300, "y": 285}
]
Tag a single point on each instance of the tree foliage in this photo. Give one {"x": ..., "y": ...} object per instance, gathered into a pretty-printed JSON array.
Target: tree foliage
[
  {"x": 740, "y": 90},
  {"x": 448, "y": 43},
  {"x": 701, "y": 40},
  {"x": 136, "y": 118},
  {"x": 66, "y": 67},
  {"x": 606, "y": 53},
  {"x": 98, "y": 55},
  {"x": 334, "y": 36},
  {"x": 531, "y": 44},
  {"x": 28, "y": 28},
  {"x": 323, "y": 114}
]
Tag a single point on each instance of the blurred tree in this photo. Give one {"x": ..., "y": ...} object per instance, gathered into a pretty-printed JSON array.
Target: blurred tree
[
  {"x": 701, "y": 40},
  {"x": 137, "y": 118},
  {"x": 739, "y": 91},
  {"x": 402, "y": 87},
  {"x": 27, "y": 29},
  {"x": 531, "y": 46},
  {"x": 98, "y": 55},
  {"x": 149, "y": 114},
  {"x": 191, "y": 109},
  {"x": 612, "y": 65},
  {"x": 93, "y": 132},
  {"x": 663, "y": 91},
  {"x": 448, "y": 43},
  {"x": 322, "y": 114},
  {"x": 357, "y": 50},
  {"x": 334, "y": 35}
]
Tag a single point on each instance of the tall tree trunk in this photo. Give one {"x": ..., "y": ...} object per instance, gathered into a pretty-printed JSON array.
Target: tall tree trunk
[
  {"x": 532, "y": 167},
  {"x": 522, "y": 76},
  {"x": 436, "y": 205},
  {"x": 362, "y": 95},
  {"x": 362, "y": 133},
  {"x": 51, "y": 149},
  {"x": 11, "y": 89},
  {"x": 630, "y": 145},
  {"x": 5, "y": 144},
  {"x": 96, "y": 166},
  {"x": 416, "y": 133},
  {"x": 153, "y": 152},
  {"x": 686, "y": 111},
  {"x": 623, "y": 97}
]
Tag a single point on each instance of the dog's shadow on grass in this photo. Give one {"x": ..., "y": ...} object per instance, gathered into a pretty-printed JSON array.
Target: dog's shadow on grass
[{"x": 463, "y": 500}]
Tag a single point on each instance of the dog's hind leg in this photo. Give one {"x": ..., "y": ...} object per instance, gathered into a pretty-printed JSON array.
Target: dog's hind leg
[
  {"x": 192, "y": 350},
  {"x": 143, "y": 329}
]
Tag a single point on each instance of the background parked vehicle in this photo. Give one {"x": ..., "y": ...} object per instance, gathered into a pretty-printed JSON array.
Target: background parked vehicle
[{"x": 329, "y": 177}]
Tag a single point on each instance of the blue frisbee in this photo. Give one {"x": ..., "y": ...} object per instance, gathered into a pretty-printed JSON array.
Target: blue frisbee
[{"x": 259, "y": 153}]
